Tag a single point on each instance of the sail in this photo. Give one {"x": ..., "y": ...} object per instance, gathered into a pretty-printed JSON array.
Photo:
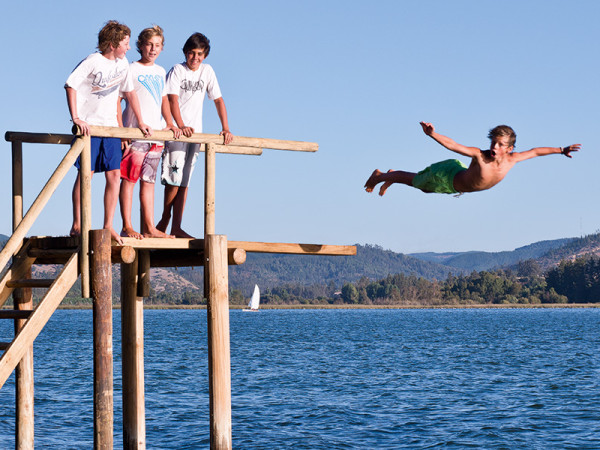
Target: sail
[{"x": 255, "y": 300}]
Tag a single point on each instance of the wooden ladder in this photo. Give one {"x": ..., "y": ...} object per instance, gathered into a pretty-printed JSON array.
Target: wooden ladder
[{"x": 36, "y": 319}]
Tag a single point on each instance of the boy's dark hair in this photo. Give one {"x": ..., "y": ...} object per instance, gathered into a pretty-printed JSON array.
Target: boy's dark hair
[
  {"x": 149, "y": 33},
  {"x": 111, "y": 34},
  {"x": 197, "y": 40},
  {"x": 504, "y": 130}
]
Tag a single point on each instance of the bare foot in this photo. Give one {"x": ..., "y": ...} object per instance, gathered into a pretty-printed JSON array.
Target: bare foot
[
  {"x": 385, "y": 185},
  {"x": 75, "y": 231},
  {"x": 156, "y": 233},
  {"x": 162, "y": 225},
  {"x": 372, "y": 181},
  {"x": 181, "y": 234},
  {"x": 130, "y": 232},
  {"x": 115, "y": 235}
]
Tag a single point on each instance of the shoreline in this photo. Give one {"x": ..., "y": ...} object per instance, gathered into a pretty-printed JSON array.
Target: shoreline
[{"x": 364, "y": 307}]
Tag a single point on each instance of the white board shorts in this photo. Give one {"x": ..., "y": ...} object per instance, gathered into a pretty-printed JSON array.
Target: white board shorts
[{"x": 178, "y": 163}]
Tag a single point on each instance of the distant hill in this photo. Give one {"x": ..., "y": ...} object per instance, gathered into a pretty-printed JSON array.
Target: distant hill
[
  {"x": 577, "y": 247},
  {"x": 478, "y": 261},
  {"x": 373, "y": 262}
]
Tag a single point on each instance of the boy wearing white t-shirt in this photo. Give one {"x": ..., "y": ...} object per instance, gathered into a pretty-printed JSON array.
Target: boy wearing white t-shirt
[
  {"x": 187, "y": 84},
  {"x": 92, "y": 95},
  {"x": 141, "y": 158}
]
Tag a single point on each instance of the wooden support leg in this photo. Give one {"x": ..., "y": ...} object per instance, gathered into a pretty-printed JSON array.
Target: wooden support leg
[
  {"x": 219, "y": 364},
  {"x": 101, "y": 284},
  {"x": 132, "y": 348},
  {"x": 24, "y": 430}
]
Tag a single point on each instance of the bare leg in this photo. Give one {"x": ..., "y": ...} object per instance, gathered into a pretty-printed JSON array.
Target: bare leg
[
  {"x": 76, "y": 196},
  {"x": 111, "y": 198},
  {"x": 178, "y": 207},
  {"x": 170, "y": 193},
  {"x": 388, "y": 178},
  {"x": 147, "y": 206},
  {"x": 126, "y": 200}
]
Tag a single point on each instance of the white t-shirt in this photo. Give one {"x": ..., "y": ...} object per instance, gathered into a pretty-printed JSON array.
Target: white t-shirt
[
  {"x": 98, "y": 81},
  {"x": 191, "y": 86},
  {"x": 149, "y": 85}
]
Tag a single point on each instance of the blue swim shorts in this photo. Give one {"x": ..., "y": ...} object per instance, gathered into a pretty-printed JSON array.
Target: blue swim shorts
[
  {"x": 106, "y": 154},
  {"x": 439, "y": 177}
]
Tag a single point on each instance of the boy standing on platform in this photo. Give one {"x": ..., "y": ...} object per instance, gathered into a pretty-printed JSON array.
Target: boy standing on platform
[
  {"x": 141, "y": 158},
  {"x": 92, "y": 95},
  {"x": 187, "y": 83}
]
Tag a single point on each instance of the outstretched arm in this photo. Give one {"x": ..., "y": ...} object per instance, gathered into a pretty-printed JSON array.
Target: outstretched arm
[
  {"x": 543, "y": 151},
  {"x": 450, "y": 144}
]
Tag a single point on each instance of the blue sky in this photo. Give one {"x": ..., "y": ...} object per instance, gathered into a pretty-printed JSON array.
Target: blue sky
[{"x": 356, "y": 78}]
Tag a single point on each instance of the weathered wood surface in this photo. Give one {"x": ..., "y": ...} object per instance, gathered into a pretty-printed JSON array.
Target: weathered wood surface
[
  {"x": 101, "y": 290},
  {"x": 15, "y": 241},
  {"x": 38, "y": 319},
  {"x": 219, "y": 363},
  {"x": 132, "y": 348},
  {"x": 274, "y": 144},
  {"x": 38, "y": 138}
]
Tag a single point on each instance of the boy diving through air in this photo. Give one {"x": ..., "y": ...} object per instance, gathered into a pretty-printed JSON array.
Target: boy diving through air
[{"x": 487, "y": 168}]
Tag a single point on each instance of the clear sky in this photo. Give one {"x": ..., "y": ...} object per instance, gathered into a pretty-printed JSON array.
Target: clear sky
[{"x": 355, "y": 77}]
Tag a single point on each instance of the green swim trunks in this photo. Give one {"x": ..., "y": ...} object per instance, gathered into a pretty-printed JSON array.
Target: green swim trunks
[{"x": 439, "y": 177}]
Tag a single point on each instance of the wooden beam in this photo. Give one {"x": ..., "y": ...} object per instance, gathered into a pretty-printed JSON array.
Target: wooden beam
[
  {"x": 17, "y": 349},
  {"x": 38, "y": 138},
  {"x": 15, "y": 241},
  {"x": 297, "y": 249},
  {"x": 132, "y": 349},
  {"x": 219, "y": 363},
  {"x": 191, "y": 258},
  {"x": 248, "y": 246},
  {"x": 202, "y": 138},
  {"x": 101, "y": 290}
]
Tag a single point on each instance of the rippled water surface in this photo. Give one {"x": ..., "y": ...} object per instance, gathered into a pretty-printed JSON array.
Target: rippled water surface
[{"x": 347, "y": 379}]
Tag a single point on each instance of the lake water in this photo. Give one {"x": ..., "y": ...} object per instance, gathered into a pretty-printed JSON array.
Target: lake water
[{"x": 338, "y": 379}]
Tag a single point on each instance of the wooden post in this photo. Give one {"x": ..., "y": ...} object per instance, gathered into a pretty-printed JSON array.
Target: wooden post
[
  {"x": 219, "y": 364},
  {"x": 22, "y": 299},
  {"x": 17, "y": 182},
  {"x": 101, "y": 284},
  {"x": 209, "y": 190},
  {"x": 85, "y": 178},
  {"x": 132, "y": 348}
]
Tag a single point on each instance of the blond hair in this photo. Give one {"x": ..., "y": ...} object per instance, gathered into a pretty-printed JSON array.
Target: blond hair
[
  {"x": 111, "y": 35},
  {"x": 149, "y": 33}
]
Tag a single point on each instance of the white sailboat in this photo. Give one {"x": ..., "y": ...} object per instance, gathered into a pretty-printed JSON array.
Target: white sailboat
[{"x": 255, "y": 300}]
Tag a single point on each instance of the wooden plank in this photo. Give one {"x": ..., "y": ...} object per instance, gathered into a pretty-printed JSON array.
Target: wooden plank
[
  {"x": 19, "y": 269},
  {"x": 38, "y": 138},
  {"x": 31, "y": 283},
  {"x": 200, "y": 138},
  {"x": 38, "y": 319},
  {"x": 15, "y": 313},
  {"x": 297, "y": 249},
  {"x": 248, "y": 246},
  {"x": 15, "y": 241}
]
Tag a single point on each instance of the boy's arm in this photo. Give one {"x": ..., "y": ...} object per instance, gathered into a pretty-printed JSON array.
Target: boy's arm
[
  {"x": 134, "y": 104},
  {"x": 450, "y": 144},
  {"x": 72, "y": 102},
  {"x": 174, "y": 104},
  {"x": 166, "y": 113},
  {"x": 543, "y": 151},
  {"x": 222, "y": 112}
]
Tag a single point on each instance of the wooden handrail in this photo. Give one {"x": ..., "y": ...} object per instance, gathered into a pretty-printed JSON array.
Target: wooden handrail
[{"x": 202, "y": 138}]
